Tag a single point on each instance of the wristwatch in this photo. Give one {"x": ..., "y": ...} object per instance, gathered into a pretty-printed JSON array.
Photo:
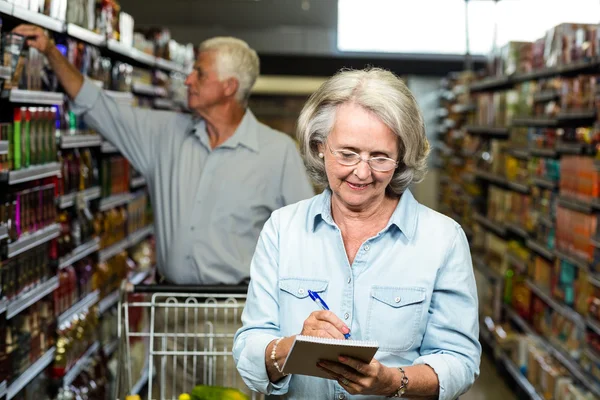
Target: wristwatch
[{"x": 403, "y": 385}]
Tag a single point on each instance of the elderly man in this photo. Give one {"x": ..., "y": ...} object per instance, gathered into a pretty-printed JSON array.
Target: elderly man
[{"x": 214, "y": 178}]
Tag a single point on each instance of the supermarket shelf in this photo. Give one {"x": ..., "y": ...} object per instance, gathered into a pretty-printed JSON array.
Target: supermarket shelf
[
  {"x": 520, "y": 322},
  {"x": 32, "y": 173},
  {"x": 495, "y": 227},
  {"x": 546, "y": 221},
  {"x": 81, "y": 306},
  {"x": 85, "y": 35},
  {"x": 143, "y": 381},
  {"x": 108, "y": 148},
  {"x": 488, "y": 131},
  {"x": 138, "y": 182},
  {"x": 149, "y": 90},
  {"x": 490, "y": 177},
  {"x": 562, "y": 309},
  {"x": 25, "y": 300},
  {"x": 113, "y": 250},
  {"x": 3, "y": 231},
  {"x": 74, "y": 141},
  {"x": 575, "y": 204},
  {"x": 38, "y": 19},
  {"x": 142, "y": 57},
  {"x": 3, "y": 147},
  {"x": 79, "y": 253},
  {"x": 593, "y": 325},
  {"x": 80, "y": 365},
  {"x": 30, "y": 374},
  {"x": 492, "y": 84},
  {"x": 28, "y": 242},
  {"x": 115, "y": 201},
  {"x": 139, "y": 277},
  {"x": 578, "y": 262},
  {"x": 518, "y": 187},
  {"x": 68, "y": 200},
  {"x": 544, "y": 183},
  {"x": 535, "y": 121},
  {"x": 4, "y": 71},
  {"x": 111, "y": 347},
  {"x": 169, "y": 65},
  {"x": 165, "y": 104},
  {"x": 570, "y": 148},
  {"x": 521, "y": 154},
  {"x": 540, "y": 249},
  {"x": 35, "y": 97},
  {"x": 521, "y": 380},
  {"x": 136, "y": 237},
  {"x": 518, "y": 230},
  {"x": 546, "y": 95},
  {"x": 543, "y": 152},
  {"x": 108, "y": 302},
  {"x": 516, "y": 261},
  {"x": 582, "y": 115},
  {"x": 484, "y": 269},
  {"x": 463, "y": 108},
  {"x": 3, "y": 388}
]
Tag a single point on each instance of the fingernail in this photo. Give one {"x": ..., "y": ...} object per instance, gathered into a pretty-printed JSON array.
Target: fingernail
[
  {"x": 343, "y": 359},
  {"x": 346, "y": 330}
]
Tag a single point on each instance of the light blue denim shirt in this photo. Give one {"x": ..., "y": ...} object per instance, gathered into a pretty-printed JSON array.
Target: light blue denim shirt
[
  {"x": 210, "y": 204},
  {"x": 411, "y": 288}
]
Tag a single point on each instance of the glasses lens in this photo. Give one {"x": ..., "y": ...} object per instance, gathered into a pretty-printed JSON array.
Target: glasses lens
[
  {"x": 382, "y": 164},
  {"x": 347, "y": 157}
]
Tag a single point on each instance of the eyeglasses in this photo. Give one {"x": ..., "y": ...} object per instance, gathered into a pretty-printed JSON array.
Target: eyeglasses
[{"x": 348, "y": 158}]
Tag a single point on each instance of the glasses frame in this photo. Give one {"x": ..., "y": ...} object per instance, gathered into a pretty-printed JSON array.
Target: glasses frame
[{"x": 335, "y": 153}]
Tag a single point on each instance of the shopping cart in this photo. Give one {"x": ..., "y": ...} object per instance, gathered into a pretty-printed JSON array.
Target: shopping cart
[{"x": 187, "y": 340}]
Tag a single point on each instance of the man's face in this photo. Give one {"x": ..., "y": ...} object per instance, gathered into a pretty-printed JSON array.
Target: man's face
[{"x": 204, "y": 87}]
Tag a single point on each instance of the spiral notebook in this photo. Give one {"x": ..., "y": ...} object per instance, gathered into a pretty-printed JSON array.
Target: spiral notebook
[{"x": 306, "y": 351}]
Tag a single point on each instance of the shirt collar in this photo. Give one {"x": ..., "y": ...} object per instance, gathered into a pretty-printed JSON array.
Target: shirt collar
[
  {"x": 246, "y": 133},
  {"x": 404, "y": 216}
]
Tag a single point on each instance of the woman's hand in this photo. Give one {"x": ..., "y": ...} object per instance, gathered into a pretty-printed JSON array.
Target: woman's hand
[
  {"x": 36, "y": 37},
  {"x": 358, "y": 377},
  {"x": 324, "y": 324}
]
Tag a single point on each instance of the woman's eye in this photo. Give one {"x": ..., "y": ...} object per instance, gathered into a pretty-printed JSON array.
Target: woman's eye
[{"x": 348, "y": 155}]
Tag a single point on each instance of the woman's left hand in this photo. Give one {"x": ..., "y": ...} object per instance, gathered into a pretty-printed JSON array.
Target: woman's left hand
[{"x": 358, "y": 377}]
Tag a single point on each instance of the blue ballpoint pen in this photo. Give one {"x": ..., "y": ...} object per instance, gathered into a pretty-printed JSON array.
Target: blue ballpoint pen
[{"x": 317, "y": 299}]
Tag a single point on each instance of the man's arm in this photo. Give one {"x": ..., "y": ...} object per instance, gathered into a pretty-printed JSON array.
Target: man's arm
[{"x": 135, "y": 132}]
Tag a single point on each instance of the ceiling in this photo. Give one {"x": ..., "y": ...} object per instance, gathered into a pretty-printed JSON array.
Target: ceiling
[{"x": 233, "y": 14}]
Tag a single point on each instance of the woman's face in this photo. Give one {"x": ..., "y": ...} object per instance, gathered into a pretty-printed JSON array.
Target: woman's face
[{"x": 358, "y": 130}]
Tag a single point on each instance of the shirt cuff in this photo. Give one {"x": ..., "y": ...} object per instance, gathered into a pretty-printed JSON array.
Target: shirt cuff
[
  {"x": 449, "y": 372},
  {"x": 86, "y": 98},
  {"x": 252, "y": 368}
]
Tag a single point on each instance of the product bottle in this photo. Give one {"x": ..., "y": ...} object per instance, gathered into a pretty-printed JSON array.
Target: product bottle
[
  {"x": 17, "y": 139},
  {"x": 33, "y": 133},
  {"x": 26, "y": 137}
]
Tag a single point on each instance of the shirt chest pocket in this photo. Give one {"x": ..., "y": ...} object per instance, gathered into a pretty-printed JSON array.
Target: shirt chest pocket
[
  {"x": 295, "y": 305},
  {"x": 394, "y": 316}
]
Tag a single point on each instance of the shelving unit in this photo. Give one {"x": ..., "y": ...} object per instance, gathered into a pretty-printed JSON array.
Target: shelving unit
[
  {"x": 38, "y": 174},
  {"x": 32, "y": 372}
]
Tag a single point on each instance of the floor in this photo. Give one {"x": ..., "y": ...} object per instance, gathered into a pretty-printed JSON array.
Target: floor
[{"x": 490, "y": 385}]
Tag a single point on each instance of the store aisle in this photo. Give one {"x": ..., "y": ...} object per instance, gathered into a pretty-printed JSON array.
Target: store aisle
[{"x": 490, "y": 385}]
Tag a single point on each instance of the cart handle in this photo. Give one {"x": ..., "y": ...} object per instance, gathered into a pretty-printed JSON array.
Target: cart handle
[{"x": 200, "y": 289}]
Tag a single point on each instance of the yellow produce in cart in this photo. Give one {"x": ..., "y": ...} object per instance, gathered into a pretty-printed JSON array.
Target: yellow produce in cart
[{"x": 203, "y": 392}]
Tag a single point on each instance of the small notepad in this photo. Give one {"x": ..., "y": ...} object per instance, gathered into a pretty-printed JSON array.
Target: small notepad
[{"x": 306, "y": 351}]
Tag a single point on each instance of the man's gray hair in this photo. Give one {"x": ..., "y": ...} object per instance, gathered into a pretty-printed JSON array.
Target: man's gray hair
[
  {"x": 234, "y": 59},
  {"x": 380, "y": 92}
]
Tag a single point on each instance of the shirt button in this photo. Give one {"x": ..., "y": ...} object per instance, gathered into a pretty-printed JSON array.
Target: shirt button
[
  {"x": 367, "y": 247},
  {"x": 300, "y": 291},
  {"x": 349, "y": 280},
  {"x": 189, "y": 257},
  {"x": 193, "y": 228},
  {"x": 397, "y": 299},
  {"x": 346, "y": 316},
  {"x": 341, "y": 397}
]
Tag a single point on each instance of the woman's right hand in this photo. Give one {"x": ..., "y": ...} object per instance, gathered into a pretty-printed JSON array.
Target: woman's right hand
[{"x": 324, "y": 324}]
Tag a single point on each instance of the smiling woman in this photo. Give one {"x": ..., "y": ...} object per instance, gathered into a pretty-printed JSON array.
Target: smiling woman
[{"x": 390, "y": 269}]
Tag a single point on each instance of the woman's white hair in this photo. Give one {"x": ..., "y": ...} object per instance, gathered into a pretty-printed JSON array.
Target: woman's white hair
[
  {"x": 385, "y": 95},
  {"x": 234, "y": 59}
]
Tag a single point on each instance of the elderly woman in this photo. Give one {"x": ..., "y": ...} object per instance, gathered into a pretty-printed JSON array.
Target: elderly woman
[{"x": 390, "y": 269}]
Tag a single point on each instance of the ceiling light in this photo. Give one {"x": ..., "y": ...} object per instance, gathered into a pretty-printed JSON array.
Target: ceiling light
[{"x": 305, "y": 5}]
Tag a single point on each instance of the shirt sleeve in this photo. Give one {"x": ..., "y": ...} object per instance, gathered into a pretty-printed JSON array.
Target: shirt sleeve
[
  {"x": 131, "y": 130},
  {"x": 260, "y": 321},
  {"x": 451, "y": 345},
  {"x": 295, "y": 184}
]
